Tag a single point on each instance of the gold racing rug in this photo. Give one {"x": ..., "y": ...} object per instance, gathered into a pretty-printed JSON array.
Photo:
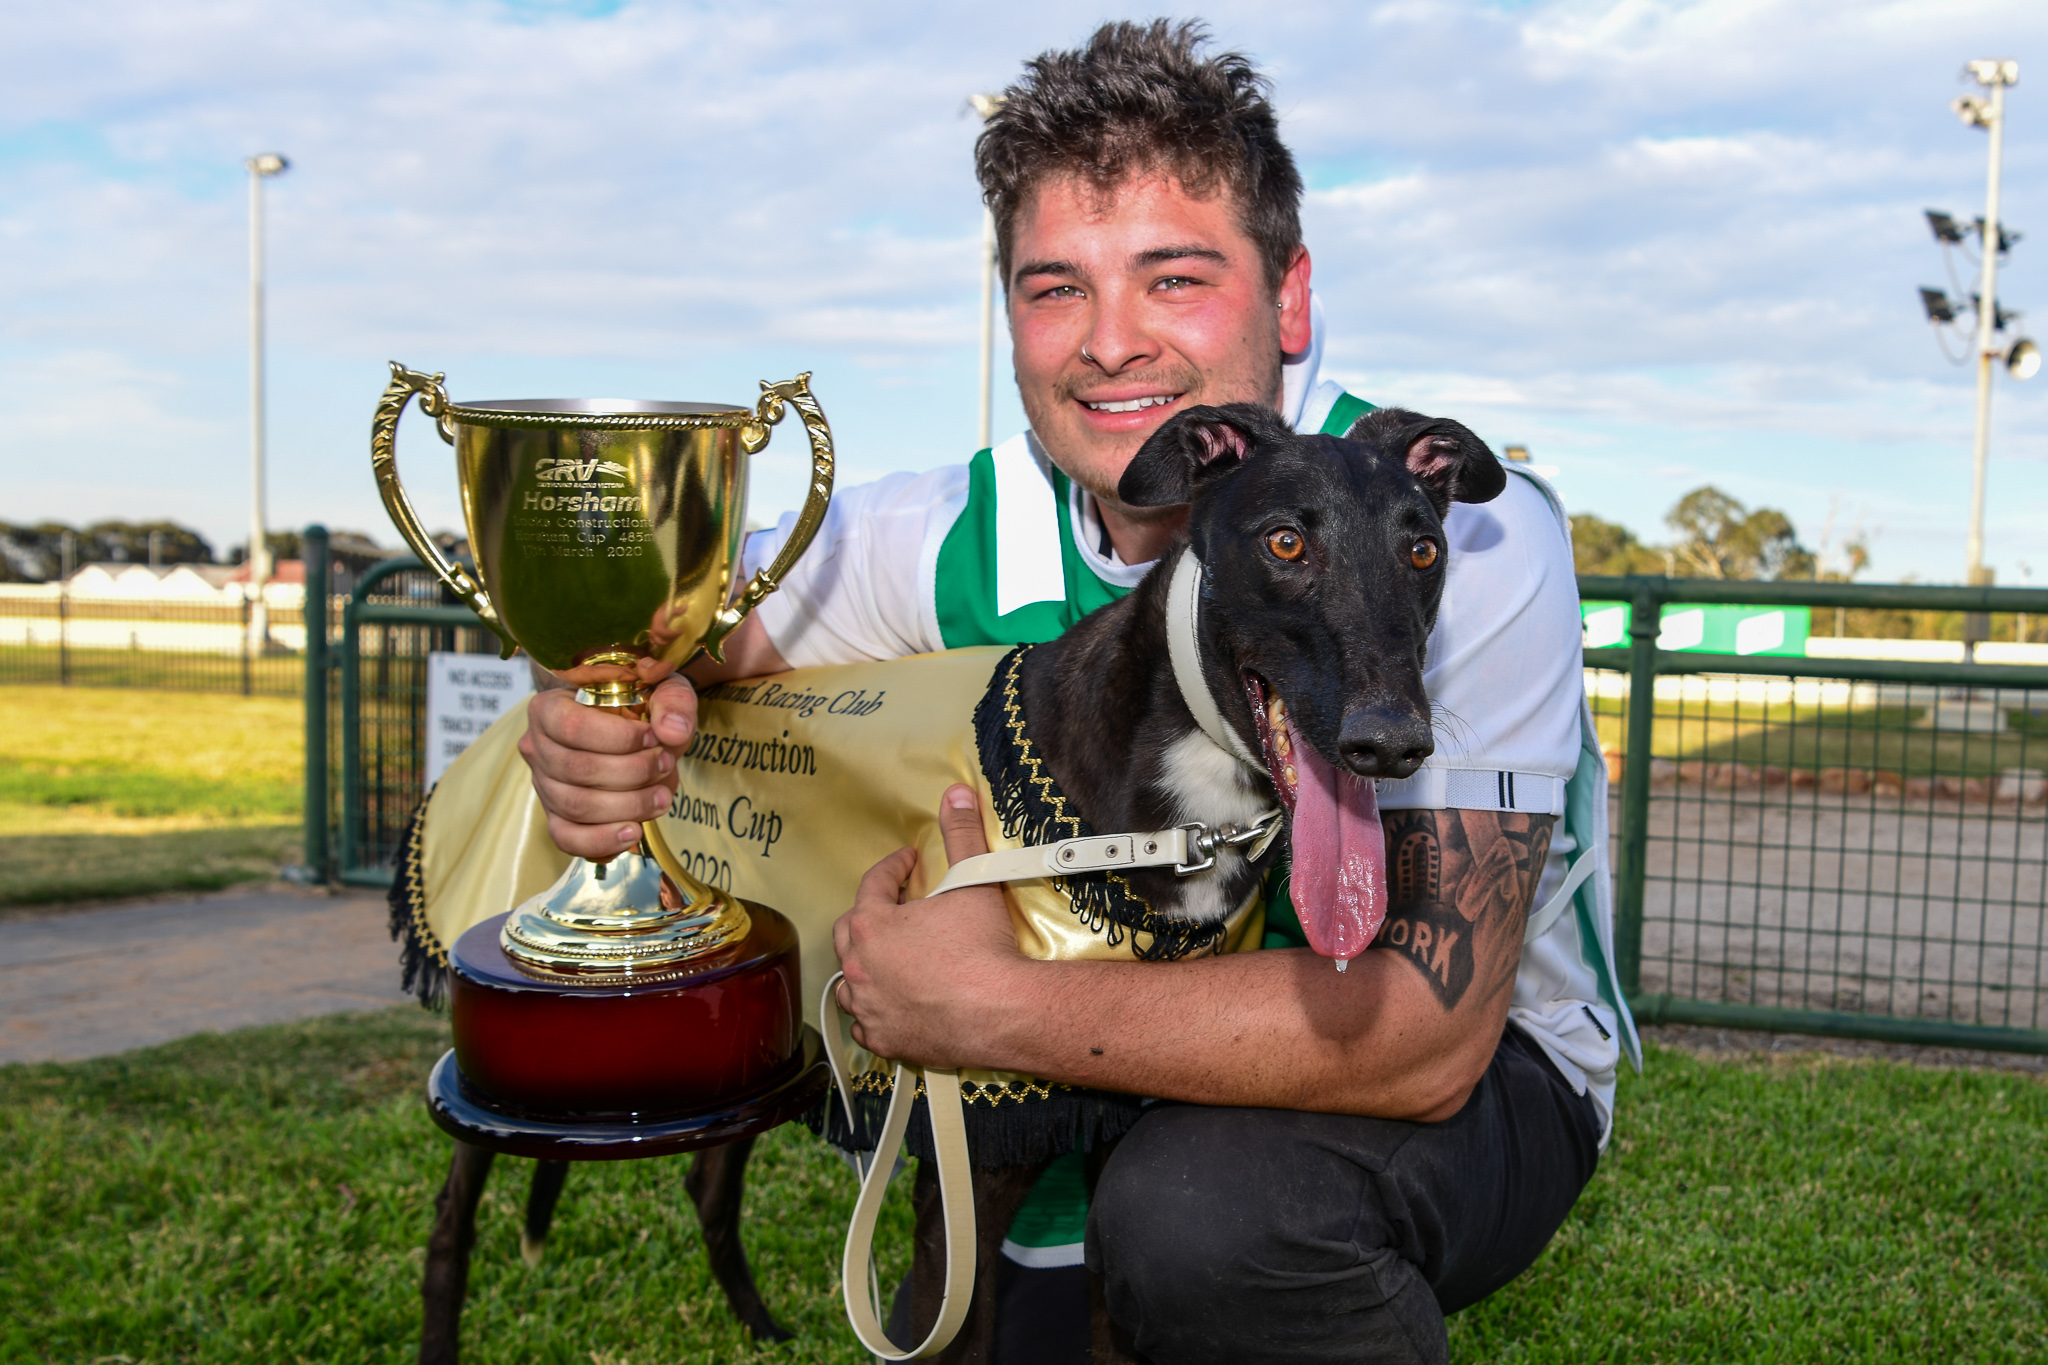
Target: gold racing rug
[{"x": 795, "y": 786}]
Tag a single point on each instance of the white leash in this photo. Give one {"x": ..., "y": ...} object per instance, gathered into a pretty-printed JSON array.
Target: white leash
[{"x": 1187, "y": 849}]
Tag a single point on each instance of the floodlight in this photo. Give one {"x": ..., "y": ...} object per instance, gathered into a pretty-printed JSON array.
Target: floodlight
[
  {"x": 2023, "y": 361},
  {"x": 268, "y": 163},
  {"x": 1940, "y": 307},
  {"x": 1945, "y": 228}
]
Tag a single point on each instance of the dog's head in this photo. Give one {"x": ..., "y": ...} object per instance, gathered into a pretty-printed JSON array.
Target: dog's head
[{"x": 1324, "y": 560}]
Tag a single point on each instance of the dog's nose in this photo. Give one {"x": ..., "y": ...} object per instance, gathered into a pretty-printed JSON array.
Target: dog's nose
[{"x": 1382, "y": 742}]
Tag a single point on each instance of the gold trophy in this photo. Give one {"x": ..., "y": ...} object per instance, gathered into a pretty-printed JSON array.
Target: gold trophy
[{"x": 606, "y": 532}]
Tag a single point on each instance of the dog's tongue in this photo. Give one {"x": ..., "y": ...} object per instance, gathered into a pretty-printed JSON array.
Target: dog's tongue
[{"x": 1340, "y": 856}]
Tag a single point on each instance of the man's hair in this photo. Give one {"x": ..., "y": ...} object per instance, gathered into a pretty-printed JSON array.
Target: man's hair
[{"x": 1140, "y": 99}]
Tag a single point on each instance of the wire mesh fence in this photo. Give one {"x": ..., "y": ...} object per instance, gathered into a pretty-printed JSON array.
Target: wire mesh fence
[
  {"x": 395, "y": 619},
  {"x": 51, "y": 636},
  {"x": 1846, "y": 847},
  {"x": 1834, "y": 845}
]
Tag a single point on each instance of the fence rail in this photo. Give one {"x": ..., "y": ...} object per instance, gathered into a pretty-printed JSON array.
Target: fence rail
[{"x": 1838, "y": 846}]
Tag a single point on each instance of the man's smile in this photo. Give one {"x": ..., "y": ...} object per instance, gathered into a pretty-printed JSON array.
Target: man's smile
[{"x": 1150, "y": 400}]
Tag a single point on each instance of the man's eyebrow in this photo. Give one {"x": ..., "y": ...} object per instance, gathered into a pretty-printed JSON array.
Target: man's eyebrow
[
  {"x": 1161, "y": 255},
  {"x": 1034, "y": 269}
]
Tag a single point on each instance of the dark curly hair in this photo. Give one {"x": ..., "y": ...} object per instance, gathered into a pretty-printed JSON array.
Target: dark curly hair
[{"x": 1141, "y": 98}]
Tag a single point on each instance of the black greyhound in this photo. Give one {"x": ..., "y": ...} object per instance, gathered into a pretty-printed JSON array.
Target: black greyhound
[{"x": 1322, "y": 563}]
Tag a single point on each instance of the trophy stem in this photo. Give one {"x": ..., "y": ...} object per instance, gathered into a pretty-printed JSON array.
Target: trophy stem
[{"x": 636, "y": 917}]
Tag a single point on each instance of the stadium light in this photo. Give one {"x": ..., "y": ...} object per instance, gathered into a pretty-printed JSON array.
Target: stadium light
[{"x": 261, "y": 167}]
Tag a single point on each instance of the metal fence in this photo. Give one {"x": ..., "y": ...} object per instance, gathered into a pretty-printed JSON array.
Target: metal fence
[
  {"x": 1834, "y": 846},
  {"x": 1839, "y": 846},
  {"x": 83, "y": 641},
  {"x": 368, "y": 708}
]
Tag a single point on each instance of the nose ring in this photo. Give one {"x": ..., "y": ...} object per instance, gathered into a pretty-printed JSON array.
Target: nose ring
[{"x": 1084, "y": 354}]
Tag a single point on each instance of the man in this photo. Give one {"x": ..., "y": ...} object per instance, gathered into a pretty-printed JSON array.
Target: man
[{"x": 1352, "y": 1155}]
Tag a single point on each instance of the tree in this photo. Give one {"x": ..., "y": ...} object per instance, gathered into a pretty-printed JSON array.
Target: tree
[
  {"x": 125, "y": 542},
  {"x": 1720, "y": 538},
  {"x": 1608, "y": 547}
]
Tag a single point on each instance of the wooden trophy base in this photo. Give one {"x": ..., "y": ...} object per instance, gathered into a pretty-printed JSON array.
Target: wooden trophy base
[{"x": 566, "y": 1071}]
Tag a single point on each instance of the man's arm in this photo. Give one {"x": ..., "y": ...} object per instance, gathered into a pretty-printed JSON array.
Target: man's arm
[{"x": 1405, "y": 1033}]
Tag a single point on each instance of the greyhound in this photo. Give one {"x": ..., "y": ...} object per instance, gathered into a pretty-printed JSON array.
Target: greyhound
[{"x": 1319, "y": 567}]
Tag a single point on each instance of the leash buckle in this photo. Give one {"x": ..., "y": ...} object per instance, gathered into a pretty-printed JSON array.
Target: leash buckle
[{"x": 1203, "y": 841}]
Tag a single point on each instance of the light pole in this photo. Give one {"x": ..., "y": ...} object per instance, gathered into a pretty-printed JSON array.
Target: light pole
[
  {"x": 261, "y": 167},
  {"x": 1989, "y": 114},
  {"x": 986, "y": 106}
]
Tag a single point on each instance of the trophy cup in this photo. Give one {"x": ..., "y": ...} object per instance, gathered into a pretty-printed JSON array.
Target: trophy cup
[{"x": 606, "y": 532}]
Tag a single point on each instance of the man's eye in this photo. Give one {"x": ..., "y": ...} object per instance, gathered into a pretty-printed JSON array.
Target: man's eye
[
  {"x": 1422, "y": 554},
  {"x": 1174, "y": 282},
  {"x": 1286, "y": 543},
  {"x": 1062, "y": 291}
]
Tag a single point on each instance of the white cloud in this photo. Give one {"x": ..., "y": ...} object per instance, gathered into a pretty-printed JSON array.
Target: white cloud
[{"x": 1654, "y": 234}]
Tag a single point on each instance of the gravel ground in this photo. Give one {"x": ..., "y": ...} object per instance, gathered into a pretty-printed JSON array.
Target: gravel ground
[
  {"x": 87, "y": 983},
  {"x": 1930, "y": 909}
]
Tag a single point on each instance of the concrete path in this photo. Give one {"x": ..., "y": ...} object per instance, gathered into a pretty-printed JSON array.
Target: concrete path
[{"x": 87, "y": 983}]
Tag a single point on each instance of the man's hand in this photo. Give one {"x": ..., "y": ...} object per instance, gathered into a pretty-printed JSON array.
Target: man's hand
[
  {"x": 598, "y": 773},
  {"x": 916, "y": 971}
]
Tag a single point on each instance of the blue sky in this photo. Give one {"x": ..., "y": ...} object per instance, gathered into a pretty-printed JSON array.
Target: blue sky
[{"x": 1660, "y": 243}]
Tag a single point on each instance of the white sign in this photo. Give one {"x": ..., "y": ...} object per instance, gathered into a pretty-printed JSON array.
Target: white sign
[{"x": 465, "y": 693}]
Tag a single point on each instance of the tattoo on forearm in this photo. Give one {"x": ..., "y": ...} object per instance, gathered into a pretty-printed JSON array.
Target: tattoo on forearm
[{"x": 1462, "y": 882}]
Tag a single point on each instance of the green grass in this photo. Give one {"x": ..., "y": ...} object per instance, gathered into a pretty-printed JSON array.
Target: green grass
[
  {"x": 263, "y": 1196},
  {"x": 129, "y": 793}
]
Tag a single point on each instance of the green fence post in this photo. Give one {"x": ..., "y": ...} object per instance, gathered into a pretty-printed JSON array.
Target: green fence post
[
  {"x": 315, "y": 614},
  {"x": 1645, "y": 608}
]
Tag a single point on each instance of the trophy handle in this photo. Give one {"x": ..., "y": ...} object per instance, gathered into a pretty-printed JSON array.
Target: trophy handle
[
  {"x": 795, "y": 393},
  {"x": 384, "y": 462}
]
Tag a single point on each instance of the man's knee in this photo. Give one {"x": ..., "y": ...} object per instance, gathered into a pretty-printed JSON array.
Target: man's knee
[{"x": 1212, "y": 1227}]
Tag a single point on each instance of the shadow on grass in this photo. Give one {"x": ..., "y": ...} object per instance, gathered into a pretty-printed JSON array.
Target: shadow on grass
[
  {"x": 264, "y": 1195},
  {"x": 56, "y": 869}
]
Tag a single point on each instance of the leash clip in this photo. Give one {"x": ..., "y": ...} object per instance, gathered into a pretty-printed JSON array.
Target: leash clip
[{"x": 1204, "y": 841}]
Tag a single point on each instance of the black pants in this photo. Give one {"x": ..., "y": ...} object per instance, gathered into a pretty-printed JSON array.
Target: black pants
[{"x": 1235, "y": 1235}]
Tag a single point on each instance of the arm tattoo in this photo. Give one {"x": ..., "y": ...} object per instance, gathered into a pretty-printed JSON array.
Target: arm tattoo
[{"x": 1462, "y": 883}]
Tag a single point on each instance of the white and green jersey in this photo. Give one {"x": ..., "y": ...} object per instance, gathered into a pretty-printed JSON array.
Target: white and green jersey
[{"x": 1006, "y": 549}]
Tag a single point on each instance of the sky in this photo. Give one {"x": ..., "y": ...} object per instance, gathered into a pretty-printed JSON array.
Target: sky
[{"x": 1659, "y": 243}]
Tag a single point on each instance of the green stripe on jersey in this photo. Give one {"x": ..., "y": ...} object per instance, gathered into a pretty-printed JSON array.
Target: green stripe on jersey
[
  {"x": 1346, "y": 410},
  {"x": 966, "y": 579}
]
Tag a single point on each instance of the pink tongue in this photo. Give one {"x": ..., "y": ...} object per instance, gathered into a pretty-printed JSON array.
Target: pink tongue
[{"x": 1340, "y": 855}]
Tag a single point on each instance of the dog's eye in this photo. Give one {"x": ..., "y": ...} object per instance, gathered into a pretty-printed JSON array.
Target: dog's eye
[
  {"x": 1286, "y": 543},
  {"x": 1422, "y": 553}
]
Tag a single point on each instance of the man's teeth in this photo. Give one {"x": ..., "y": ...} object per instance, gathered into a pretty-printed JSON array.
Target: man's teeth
[{"x": 1155, "y": 400}]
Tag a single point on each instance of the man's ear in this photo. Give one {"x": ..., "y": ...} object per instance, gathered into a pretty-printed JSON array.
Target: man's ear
[
  {"x": 1192, "y": 446},
  {"x": 1448, "y": 460}
]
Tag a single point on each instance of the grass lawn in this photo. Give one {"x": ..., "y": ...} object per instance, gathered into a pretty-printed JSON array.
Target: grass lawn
[
  {"x": 129, "y": 792},
  {"x": 264, "y": 1196}
]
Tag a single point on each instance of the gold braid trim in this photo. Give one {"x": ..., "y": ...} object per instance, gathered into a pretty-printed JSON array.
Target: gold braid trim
[
  {"x": 416, "y": 892},
  {"x": 994, "y": 1094}
]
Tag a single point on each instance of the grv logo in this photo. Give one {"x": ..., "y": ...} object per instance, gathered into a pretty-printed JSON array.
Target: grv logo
[{"x": 583, "y": 472}]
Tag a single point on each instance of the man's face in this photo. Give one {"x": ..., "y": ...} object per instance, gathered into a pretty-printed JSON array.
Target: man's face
[{"x": 1126, "y": 308}]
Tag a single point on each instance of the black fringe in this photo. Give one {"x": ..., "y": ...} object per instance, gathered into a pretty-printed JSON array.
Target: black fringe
[
  {"x": 1032, "y": 809},
  {"x": 423, "y": 961},
  {"x": 1024, "y": 1133}
]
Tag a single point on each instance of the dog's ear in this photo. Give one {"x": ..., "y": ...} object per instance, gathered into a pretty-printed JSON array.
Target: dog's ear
[
  {"x": 1192, "y": 446},
  {"x": 1452, "y": 463}
]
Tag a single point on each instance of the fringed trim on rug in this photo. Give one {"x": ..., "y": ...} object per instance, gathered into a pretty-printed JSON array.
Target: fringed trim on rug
[
  {"x": 1019, "y": 1133},
  {"x": 423, "y": 960},
  {"x": 1032, "y": 809}
]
